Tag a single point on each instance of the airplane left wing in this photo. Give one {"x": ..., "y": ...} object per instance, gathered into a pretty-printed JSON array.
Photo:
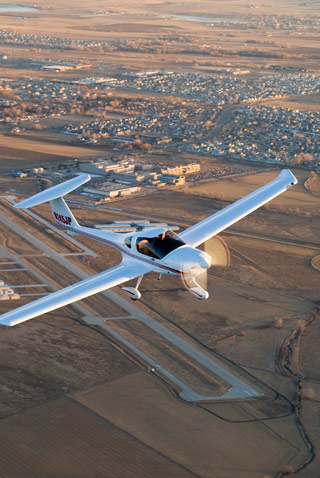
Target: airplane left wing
[
  {"x": 97, "y": 283},
  {"x": 212, "y": 225}
]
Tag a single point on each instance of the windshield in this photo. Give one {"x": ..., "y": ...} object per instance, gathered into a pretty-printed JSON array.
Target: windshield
[{"x": 159, "y": 246}]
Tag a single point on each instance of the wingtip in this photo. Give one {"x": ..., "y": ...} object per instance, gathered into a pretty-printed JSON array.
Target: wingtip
[
  {"x": 6, "y": 323},
  {"x": 22, "y": 204},
  {"x": 85, "y": 175},
  {"x": 18, "y": 206},
  {"x": 290, "y": 178}
]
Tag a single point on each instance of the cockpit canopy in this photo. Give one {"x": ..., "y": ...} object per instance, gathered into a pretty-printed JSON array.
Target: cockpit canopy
[{"x": 158, "y": 246}]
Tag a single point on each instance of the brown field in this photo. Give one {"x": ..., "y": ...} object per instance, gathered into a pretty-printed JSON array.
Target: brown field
[
  {"x": 184, "y": 433},
  {"x": 44, "y": 359},
  {"x": 233, "y": 189},
  {"x": 20, "y": 152},
  {"x": 78, "y": 443},
  {"x": 316, "y": 262},
  {"x": 314, "y": 185},
  {"x": 20, "y": 277},
  {"x": 15, "y": 244},
  {"x": 311, "y": 103}
]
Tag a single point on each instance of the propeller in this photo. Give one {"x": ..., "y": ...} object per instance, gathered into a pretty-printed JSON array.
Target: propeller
[
  {"x": 219, "y": 252},
  {"x": 220, "y": 257}
]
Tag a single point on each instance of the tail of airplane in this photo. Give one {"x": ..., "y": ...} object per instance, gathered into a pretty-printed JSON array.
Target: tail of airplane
[{"x": 61, "y": 212}]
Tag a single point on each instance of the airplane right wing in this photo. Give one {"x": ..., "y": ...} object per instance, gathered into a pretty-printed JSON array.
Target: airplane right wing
[
  {"x": 97, "y": 283},
  {"x": 212, "y": 225}
]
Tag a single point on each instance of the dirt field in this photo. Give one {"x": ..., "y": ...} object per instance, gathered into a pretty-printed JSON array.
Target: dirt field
[
  {"x": 313, "y": 184},
  {"x": 185, "y": 433},
  {"x": 78, "y": 443},
  {"x": 10, "y": 243},
  {"x": 19, "y": 153},
  {"x": 44, "y": 359}
]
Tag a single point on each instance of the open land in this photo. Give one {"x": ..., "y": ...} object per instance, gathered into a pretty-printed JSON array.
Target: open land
[{"x": 108, "y": 385}]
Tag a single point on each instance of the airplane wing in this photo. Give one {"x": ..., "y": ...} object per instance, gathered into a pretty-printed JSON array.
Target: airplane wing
[
  {"x": 212, "y": 225},
  {"x": 97, "y": 283}
]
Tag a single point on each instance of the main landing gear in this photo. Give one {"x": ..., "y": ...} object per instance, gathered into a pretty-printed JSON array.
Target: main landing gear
[{"x": 133, "y": 292}]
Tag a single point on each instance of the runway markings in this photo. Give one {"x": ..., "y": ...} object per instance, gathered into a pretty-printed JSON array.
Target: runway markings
[
  {"x": 13, "y": 270},
  {"x": 29, "y": 285},
  {"x": 35, "y": 294}
]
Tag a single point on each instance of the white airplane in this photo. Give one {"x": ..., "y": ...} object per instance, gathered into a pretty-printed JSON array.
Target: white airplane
[{"x": 153, "y": 249}]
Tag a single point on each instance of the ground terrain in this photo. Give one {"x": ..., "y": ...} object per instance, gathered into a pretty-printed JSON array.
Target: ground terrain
[
  {"x": 256, "y": 301},
  {"x": 75, "y": 401}
]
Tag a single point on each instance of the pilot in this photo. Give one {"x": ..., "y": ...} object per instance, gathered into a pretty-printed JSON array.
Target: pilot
[{"x": 142, "y": 243}]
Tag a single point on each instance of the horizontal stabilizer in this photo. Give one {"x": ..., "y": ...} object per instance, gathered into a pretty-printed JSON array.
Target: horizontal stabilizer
[{"x": 55, "y": 192}]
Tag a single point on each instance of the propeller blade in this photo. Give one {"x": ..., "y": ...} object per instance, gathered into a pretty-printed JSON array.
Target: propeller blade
[
  {"x": 202, "y": 279},
  {"x": 197, "y": 285},
  {"x": 219, "y": 251}
]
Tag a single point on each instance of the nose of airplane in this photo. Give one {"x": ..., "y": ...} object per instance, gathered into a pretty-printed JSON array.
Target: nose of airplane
[{"x": 204, "y": 263}]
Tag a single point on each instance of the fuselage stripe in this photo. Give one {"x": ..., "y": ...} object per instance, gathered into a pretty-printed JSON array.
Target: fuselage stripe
[{"x": 116, "y": 246}]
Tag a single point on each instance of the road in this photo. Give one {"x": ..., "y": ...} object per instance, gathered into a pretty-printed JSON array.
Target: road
[{"x": 223, "y": 119}]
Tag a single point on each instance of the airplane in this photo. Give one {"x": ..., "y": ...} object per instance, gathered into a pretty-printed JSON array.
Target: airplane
[{"x": 154, "y": 249}]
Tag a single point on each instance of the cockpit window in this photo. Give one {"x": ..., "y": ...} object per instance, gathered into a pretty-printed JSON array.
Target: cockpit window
[
  {"x": 159, "y": 246},
  {"x": 127, "y": 241}
]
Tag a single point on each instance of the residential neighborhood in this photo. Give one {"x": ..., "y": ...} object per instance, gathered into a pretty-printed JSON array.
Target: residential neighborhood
[
  {"x": 267, "y": 134},
  {"x": 191, "y": 112}
]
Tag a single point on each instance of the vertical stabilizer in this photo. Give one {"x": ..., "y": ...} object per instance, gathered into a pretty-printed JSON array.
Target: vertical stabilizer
[{"x": 62, "y": 213}]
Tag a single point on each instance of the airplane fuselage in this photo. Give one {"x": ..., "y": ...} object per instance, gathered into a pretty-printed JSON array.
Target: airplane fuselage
[{"x": 182, "y": 260}]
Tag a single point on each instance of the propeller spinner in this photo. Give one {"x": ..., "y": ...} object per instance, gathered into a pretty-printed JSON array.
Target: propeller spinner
[{"x": 218, "y": 250}]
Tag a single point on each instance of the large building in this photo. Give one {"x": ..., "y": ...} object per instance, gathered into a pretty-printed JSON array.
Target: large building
[
  {"x": 111, "y": 190},
  {"x": 6, "y": 293},
  {"x": 182, "y": 169},
  {"x": 173, "y": 179},
  {"x": 105, "y": 167}
]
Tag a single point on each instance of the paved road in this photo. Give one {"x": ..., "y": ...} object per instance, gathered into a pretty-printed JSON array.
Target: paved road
[{"x": 223, "y": 119}]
